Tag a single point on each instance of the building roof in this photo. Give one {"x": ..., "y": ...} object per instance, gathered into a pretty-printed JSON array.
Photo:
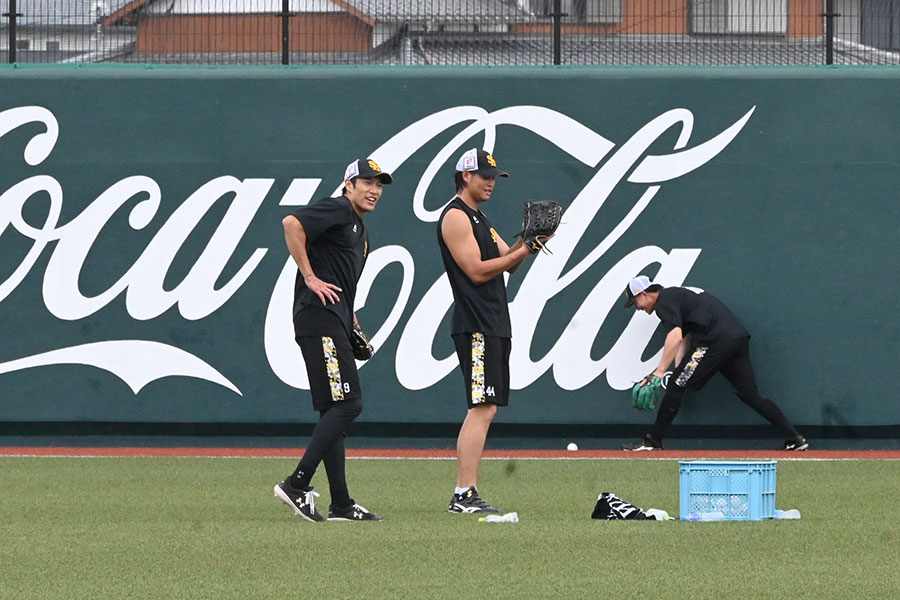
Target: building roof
[
  {"x": 71, "y": 12},
  {"x": 39, "y": 56},
  {"x": 463, "y": 11},
  {"x": 236, "y": 7},
  {"x": 534, "y": 50},
  {"x": 624, "y": 50},
  {"x": 459, "y": 11}
]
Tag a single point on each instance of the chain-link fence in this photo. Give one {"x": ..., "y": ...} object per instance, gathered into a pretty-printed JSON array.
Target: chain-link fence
[{"x": 452, "y": 32}]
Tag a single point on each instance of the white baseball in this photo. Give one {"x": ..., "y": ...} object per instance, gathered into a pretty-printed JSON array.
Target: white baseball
[{"x": 572, "y": 447}]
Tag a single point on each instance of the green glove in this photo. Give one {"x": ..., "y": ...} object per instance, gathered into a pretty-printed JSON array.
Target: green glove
[
  {"x": 643, "y": 397},
  {"x": 646, "y": 398}
]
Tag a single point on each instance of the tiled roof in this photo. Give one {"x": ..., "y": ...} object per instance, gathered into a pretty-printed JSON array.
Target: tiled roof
[
  {"x": 621, "y": 50},
  {"x": 236, "y": 7},
  {"x": 630, "y": 50},
  {"x": 536, "y": 51},
  {"x": 460, "y": 11}
]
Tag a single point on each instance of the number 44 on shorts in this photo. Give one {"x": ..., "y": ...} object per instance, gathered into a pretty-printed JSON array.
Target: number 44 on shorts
[{"x": 489, "y": 391}]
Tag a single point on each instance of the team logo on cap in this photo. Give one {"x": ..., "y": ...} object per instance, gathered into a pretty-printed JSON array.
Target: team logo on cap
[
  {"x": 374, "y": 166},
  {"x": 491, "y": 160}
]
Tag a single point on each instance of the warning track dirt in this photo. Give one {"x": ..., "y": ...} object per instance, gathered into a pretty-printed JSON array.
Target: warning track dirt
[{"x": 213, "y": 452}]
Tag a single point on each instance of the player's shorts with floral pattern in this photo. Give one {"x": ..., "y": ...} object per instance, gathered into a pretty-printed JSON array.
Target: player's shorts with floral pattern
[
  {"x": 484, "y": 361},
  {"x": 331, "y": 369}
]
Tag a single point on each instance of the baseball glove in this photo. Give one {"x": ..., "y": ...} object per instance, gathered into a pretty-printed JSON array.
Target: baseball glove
[
  {"x": 643, "y": 395},
  {"x": 362, "y": 347},
  {"x": 541, "y": 219}
]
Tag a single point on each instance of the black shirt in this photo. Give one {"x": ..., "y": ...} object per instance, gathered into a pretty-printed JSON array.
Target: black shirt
[
  {"x": 477, "y": 307},
  {"x": 702, "y": 315},
  {"x": 337, "y": 245}
]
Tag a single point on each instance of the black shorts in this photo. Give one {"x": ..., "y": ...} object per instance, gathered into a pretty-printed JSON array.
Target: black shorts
[
  {"x": 484, "y": 361},
  {"x": 331, "y": 368}
]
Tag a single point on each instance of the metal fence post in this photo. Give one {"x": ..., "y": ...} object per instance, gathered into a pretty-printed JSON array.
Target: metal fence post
[
  {"x": 285, "y": 32},
  {"x": 12, "y": 14},
  {"x": 829, "y": 15},
  {"x": 557, "y": 31}
]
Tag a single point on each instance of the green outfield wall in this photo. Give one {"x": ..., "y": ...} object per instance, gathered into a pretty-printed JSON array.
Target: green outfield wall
[{"x": 144, "y": 276}]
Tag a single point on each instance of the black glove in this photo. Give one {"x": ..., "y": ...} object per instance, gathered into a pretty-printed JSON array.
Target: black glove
[
  {"x": 362, "y": 347},
  {"x": 541, "y": 220}
]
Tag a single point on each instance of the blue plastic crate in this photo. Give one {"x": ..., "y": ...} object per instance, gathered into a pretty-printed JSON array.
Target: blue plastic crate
[{"x": 741, "y": 490}]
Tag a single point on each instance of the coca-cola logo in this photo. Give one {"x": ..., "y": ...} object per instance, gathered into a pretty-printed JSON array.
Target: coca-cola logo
[{"x": 140, "y": 361}]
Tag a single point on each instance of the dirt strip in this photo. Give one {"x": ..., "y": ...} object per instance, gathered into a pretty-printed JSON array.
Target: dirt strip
[{"x": 203, "y": 452}]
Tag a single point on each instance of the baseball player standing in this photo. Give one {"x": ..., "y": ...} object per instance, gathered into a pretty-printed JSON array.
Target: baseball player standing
[
  {"x": 704, "y": 337},
  {"x": 475, "y": 258},
  {"x": 329, "y": 243}
]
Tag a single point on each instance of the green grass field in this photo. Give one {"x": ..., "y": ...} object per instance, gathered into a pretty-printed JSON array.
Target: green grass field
[{"x": 210, "y": 528}]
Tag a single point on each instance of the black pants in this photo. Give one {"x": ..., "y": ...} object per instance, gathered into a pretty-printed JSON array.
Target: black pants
[
  {"x": 327, "y": 446},
  {"x": 732, "y": 360}
]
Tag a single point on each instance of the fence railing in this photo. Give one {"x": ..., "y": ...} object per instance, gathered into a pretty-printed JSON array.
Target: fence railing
[{"x": 452, "y": 32}]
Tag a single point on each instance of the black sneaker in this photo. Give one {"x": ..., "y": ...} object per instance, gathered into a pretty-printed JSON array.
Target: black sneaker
[
  {"x": 797, "y": 443},
  {"x": 470, "y": 502},
  {"x": 302, "y": 501},
  {"x": 354, "y": 512},
  {"x": 648, "y": 443}
]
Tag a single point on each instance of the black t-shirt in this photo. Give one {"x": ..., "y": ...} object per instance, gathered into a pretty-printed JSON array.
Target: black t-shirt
[
  {"x": 337, "y": 245},
  {"x": 477, "y": 307},
  {"x": 700, "y": 314}
]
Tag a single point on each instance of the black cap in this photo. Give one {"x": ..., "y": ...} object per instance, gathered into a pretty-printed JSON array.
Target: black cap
[
  {"x": 367, "y": 168},
  {"x": 479, "y": 161}
]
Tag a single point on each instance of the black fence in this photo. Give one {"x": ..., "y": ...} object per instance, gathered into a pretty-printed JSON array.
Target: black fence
[{"x": 452, "y": 32}]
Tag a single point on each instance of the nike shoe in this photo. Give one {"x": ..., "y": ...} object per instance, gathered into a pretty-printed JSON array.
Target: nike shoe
[
  {"x": 302, "y": 501},
  {"x": 797, "y": 443},
  {"x": 648, "y": 443},
  {"x": 354, "y": 512},
  {"x": 470, "y": 502}
]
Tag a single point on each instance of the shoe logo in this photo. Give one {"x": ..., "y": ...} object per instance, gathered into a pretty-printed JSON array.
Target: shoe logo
[{"x": 465, "y": 509}]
